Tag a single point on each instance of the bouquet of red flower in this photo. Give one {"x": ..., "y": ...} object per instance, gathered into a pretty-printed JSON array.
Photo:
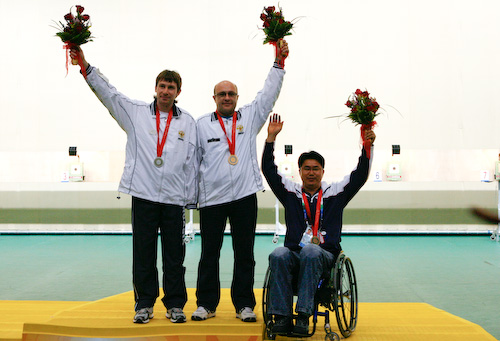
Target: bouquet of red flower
[
  {"x": 363, "y": 111},
  {"x": 75, "y": 32},
  {"x": 275, "y": 26},
  {"x": 363, "y": 108}
]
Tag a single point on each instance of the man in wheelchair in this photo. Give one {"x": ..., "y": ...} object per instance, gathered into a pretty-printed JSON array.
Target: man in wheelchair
[{"x": 313, "y": 216}]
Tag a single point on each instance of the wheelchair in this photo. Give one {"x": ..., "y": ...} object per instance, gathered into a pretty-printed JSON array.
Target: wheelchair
[{"x": 336, "y": 291}]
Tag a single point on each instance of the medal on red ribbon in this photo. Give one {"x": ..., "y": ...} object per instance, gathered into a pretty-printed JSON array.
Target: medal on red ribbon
[
  {"x": 233, "y": 159},
  {"x": 158, "y": 162},
  {"x": 315, "y": 239}
]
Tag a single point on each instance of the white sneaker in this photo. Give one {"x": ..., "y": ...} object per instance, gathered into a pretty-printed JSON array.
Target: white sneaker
[
  {"x": 143, "y": 315},
  {"x": 202, "y": 313},
  {"x": 247, "y": 315}
]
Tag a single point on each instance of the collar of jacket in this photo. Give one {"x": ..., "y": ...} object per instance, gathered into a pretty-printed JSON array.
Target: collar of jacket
[
  {"x": 176, "y": 113},
  {"x": 214, "y": 116}
]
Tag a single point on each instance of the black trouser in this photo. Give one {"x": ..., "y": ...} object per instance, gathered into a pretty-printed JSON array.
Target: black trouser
[
  {"x": 242, "y": 216},
  {"x": 147, "y": 218}
]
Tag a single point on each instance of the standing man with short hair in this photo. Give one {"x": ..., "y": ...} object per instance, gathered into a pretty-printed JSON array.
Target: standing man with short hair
[
  {"x": 160, "y": 175},
  {"x": 229, "y": 178}
]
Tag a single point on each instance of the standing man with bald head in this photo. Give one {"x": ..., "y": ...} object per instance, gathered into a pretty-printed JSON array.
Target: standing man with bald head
[{"x": 229, "y": 178}]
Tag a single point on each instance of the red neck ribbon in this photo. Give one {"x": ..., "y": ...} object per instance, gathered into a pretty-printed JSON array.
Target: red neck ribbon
[
  {"x": 318, "y": 210},
  {"x": 159, "y": 146},
  {"x": 232, "y": 144}
]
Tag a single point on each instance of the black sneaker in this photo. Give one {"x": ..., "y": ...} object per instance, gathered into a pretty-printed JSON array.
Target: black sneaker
[
  {"x": 301, "y": 327},
  {"x": 282, "y": 325}
]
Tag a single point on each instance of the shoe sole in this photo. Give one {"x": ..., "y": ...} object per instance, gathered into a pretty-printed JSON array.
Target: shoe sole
[
  {"x": 248, "y": 319},
  {"x": 143, "y": 321},
  {"x": 178, "y": 320},
  {"x": 199, "y": 318},
  {"x": 140, "y": 321},
  {"x": 300, "y": 333}
]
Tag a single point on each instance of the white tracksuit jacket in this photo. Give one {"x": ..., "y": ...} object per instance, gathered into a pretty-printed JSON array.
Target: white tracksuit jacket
[
  {"x": 173, "y": 183},
  {"x": 221, "y": 182}
]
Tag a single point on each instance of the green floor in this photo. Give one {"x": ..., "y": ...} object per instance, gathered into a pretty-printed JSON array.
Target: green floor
[{"x": 460, "y": 274}]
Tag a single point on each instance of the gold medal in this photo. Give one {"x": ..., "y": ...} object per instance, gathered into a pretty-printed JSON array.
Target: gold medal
[
  {"x": 158, "y": 162},
  {"x": 233, "y": 160},
  {"x": 315, "y": 240}
]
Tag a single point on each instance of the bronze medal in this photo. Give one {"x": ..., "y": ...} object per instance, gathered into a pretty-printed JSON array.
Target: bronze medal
[{"x": 233, "y": 160}]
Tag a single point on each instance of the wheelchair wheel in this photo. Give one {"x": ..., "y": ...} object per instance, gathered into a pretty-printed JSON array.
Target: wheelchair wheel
[
  {"x": 345, "y": 295},
  {"x": 268, "y": 319}
]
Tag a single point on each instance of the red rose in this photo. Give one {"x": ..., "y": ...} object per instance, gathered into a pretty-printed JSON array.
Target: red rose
[
  {"x": 85, "y": 17},
  {"x": 266, "y": 24},
  {"x": 358, "y": 92},
  {"x": 348, "y": 103},
  {"x": 270, "y": 9},
  {"x": 281, "y": 21},
  {"x": 278, "y": 14},
  {"x": 69, "y": 17},
  {"x": 79, "y": 27},
  {"x": 79, "y": 9},
  {"x": 263, "y": 16},
  {"x": 365, "y": 93}
]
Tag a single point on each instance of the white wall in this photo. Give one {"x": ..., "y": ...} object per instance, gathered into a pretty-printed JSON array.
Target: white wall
[{"x": 436, "y": 62}]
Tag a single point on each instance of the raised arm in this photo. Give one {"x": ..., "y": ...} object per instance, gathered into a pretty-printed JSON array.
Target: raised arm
[{"x": 279, "y": 185}]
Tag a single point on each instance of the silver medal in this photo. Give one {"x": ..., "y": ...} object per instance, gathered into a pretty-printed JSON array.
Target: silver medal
[{"x": 158, "y": 162}]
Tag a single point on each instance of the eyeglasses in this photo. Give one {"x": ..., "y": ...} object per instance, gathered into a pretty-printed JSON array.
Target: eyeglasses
[{"x": 224, "y": 94}]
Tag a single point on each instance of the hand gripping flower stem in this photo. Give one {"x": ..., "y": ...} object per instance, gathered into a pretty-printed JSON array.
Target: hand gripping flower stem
[
  {"x": 76, "y": 53},
  {"x": 281, "y": 52}
]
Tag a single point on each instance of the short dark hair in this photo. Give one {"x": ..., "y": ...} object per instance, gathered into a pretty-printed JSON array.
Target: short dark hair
[
  {"x": 170, "y": 76},
  {"x": 312, "y": 155}
]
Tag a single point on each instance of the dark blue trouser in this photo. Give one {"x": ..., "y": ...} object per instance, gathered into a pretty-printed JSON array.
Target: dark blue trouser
[
  {"x": 307, "y": 266},
  {"x": 242, "y": 216},
  {"x": 147, "y": 218}
]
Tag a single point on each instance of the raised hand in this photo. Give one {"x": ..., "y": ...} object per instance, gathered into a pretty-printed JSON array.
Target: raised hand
[
  {"x": 369, "y": 135},
  {"x": 281, "y": 52},
  {"x": 274, "y": 128},
  {"x": 75, "y": 52}
]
